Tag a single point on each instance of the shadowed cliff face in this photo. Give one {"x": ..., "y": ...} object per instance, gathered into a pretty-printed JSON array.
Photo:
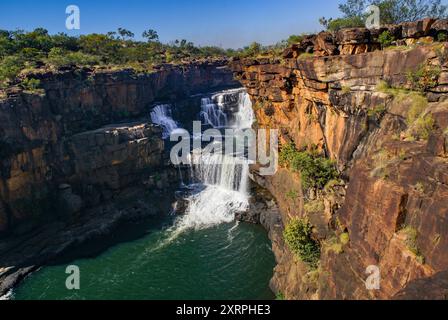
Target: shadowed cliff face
[
  {"x": 392, "y": 200},
  {"x": 56, "y": 154}
]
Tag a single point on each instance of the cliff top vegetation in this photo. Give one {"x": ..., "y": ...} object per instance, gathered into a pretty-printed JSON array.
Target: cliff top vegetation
[
  {"x": 23, "y": 52},
  {"x": 391, "y": 12}
]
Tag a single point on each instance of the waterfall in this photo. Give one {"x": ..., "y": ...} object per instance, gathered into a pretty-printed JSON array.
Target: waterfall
[
  {"x": 161, "y": 115},
  {"x": 212, "y": 114},
  {"x": 230, "y": 108},
  {"x": 220, "y": 181},
  {"x": 245, "y": 116}
]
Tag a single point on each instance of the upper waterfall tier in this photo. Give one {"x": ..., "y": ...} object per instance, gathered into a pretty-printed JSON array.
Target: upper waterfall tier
[
  {"x": 220, "y": 180},
  {"x": 230, "y": 108}
]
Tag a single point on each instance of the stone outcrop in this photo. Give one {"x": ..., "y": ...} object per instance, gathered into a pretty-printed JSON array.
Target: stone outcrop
[
  {"x": 354, "y": 106},
  {"x": 361, "y": 40}
]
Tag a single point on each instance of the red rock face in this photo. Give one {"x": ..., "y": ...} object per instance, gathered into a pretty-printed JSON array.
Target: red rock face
[
  {"x": 57, "y": 138},
  {"x": 392, "y": 204}
]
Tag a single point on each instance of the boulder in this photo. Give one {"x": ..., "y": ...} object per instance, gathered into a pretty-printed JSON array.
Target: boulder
[
  {"x": 353, "y": 36},
  {"x": 307, "y": 43},
  {"x": 292, "y": 52},
  {"x": 325, "y": 44},
  {"x": 69, "y": 203},
  {"x": 417, "y": 29},
  {"x": 440, "y": 25}
]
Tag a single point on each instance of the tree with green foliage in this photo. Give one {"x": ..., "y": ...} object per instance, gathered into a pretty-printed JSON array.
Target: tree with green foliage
[
  {"x": 59, "y": 57},
  {"x": 298, "y": 237},
  {"x": 386, "y": 39},
  {"x": 392, "y": 12},
  {"x": 20, "y": 50},
  {"x": 150, "y": 35},
  {"x": 316, "y": 171},
  {"x": 125, "y": 34},
  {"x": 340, "y": 23},
  {"x": 10, "y": 67},
  {"x": 293, "y": 39}
]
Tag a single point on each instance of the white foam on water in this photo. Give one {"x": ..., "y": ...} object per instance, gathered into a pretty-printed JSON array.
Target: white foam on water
[
  {"x": 212, "y": 114},
  {"x": 7, "y": 296},
  {"x": 225, "y": 178},
  {"x": 215, "y": 113},
  {"x": 161, "y": 115},
  {"x": 245, "y": 116}
]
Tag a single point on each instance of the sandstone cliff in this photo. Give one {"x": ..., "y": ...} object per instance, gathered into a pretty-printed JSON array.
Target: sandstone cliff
[
  {"x": 382, "y": 116},
  {"x": 56, "y": 138},
  {"x": 82, "y": 156}
]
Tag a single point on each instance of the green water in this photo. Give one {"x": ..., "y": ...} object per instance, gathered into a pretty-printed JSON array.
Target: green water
[{"x": 230, "y": 261}]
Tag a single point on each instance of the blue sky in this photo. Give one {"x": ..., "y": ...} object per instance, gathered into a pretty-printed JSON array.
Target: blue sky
[{"x": 227, "y": 23}]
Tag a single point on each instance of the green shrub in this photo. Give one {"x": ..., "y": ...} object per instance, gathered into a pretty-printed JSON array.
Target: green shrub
[
  {"x": 341, "y": 23},
  {"x": 280, "y": 296},
  {"x": 418, "y": 105},
  {"x": 333, "y": 244},
  {"x": 423, "y": 127},
  {"x": 297, "y": 236},
  {"x": 344, "y": 238},
  {"x": 377, "y": 112},
  {"x": 329, "y": 187},
  {"x": 287, "y": 154},
  {"x": 442, "y": 37},
  {"x": 411, "y": 241},
  {"x": 292, "y": 194},
  {"x": 424, "y": 78},
  {"x": 61, "y": 58},
  {"x": 384, "y": 87},
  {"x": 336, "y": 244},
  {"x": 386, "y": 39},
  {"x": 10, "y": 67},
  {"x": 336, "y": 247},
  {"x": 314, "y": 206},
  {"x": 316, "y": 171},
  {"x": 30, "y": 84},
  {"x": 293, "y": 39}
]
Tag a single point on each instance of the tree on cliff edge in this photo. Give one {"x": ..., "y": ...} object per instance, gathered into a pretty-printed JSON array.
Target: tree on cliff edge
[
  {"x": 392, "y": 12},
  {"x": 150, "y": 35}
]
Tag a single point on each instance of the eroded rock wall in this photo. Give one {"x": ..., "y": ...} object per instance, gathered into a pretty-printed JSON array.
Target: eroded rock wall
[
  {"x": 88, "y": 137},
  {"x": 391, "y": 200}
]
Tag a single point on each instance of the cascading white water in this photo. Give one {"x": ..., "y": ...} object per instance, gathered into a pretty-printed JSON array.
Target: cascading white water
[
  {"x": 212, "y": 114},
  {"x": 245, "y": 116},
  {"x": 161, "y": 115},
  {"x": 216, "y": 111},
  {"x": 7, "y": 296},
  {"x": 223, "y": 178}
]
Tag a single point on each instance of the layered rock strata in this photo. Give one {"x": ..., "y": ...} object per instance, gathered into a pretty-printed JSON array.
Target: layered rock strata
[
  {"x": 382, "y": 116},
  {"x": 81, "y": 157}
]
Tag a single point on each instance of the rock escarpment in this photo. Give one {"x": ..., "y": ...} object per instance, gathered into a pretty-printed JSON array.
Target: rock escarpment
[
  {"x": 382, "y": 116},
  {"x": 82, "y": 156},
  {"x": 57, "y": 138}
]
